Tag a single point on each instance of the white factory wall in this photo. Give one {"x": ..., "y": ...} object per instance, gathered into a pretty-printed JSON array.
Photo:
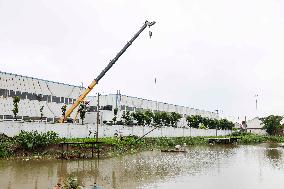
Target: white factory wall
[
  {"x": 88, "y": 130},
  {"x": 123, "y": 102},
  {"x": 31, "y": 108}
]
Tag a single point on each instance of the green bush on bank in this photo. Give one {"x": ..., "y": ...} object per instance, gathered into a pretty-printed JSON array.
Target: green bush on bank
[
  {"x": 115, "y": 145},
  {"x": 5, "y": 150},
  {"x": 250, "y": 138},
  {"x": 31, "y": 140},
  {"x": 26, "y": 141}
]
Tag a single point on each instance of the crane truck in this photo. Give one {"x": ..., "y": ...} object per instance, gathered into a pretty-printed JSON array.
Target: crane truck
[{"x": 104, "y": 71}]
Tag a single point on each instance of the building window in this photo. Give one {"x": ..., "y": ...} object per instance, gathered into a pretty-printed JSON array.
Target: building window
[
  {"x": 92, "y": 108},
  {"x": 107, "y": 107},
  {"x": 129, "y": 108}
]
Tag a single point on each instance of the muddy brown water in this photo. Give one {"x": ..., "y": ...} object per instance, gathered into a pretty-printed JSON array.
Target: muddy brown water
[{"x": 235, "y": 167}]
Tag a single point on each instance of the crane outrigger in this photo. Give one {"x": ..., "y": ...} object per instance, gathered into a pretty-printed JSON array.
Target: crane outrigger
[{"x": 104, "y": 71}]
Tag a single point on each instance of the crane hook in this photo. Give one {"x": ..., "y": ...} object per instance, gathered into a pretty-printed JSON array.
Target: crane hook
[{"x": 150, "y": 34}]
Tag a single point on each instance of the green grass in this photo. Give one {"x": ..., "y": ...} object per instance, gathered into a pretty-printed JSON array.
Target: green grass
[{"x": 116, "y": 146}]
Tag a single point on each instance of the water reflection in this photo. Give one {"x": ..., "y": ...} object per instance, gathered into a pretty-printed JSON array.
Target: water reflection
[
  {"x": 146, "y": 170},
  {"x": 274, "y": 155}
]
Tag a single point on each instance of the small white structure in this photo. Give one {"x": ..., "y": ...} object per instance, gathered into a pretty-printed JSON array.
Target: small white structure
[{"x": 255, "y": 126}]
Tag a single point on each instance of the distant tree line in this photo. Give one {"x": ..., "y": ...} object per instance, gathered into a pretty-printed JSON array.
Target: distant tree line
[
  {"x": 169, "y": 119},
  {"x": 197, "y": 121},
  {"x": 147, "y": 117}
]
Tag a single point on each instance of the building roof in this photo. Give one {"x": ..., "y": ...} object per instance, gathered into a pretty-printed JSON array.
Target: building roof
[{"x": 41, "y": 79}]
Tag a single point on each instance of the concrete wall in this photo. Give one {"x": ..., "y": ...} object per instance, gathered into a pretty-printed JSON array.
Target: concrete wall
[{"x": 81, "y": 131}]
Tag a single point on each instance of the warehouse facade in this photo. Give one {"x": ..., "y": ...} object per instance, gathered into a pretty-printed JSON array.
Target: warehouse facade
[
  {"x": 35, "y": 93},
  {"x": 133, "y": 104}
]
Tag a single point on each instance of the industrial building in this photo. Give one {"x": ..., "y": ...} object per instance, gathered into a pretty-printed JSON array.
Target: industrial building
[
  {"x": 132, "y": 104},
  {"x": 35, "y": 93}
]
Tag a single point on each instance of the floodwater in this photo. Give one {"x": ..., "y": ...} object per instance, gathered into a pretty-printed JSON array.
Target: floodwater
[{"x": 235, "y": 167}]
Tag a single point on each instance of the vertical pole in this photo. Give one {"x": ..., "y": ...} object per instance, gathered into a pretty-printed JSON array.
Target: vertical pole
[
  {"x": 217, "y": 111},
  {"x": 98, "y": 118},
  {"x": 116, "y": 98},
  {"x": 256, "y": 96}
]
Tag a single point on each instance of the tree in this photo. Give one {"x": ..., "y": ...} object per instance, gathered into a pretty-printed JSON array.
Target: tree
[
  {"x": 165, "y": 119},
  {"x": 148, "y": 116},
  {"x": 15, "y": 110},
  {"x": 127, "y": 119},
  {"x": 272, "y": 124},
  {"x": 174, "y": 118},
  {"x": 139, "y": 117},
  {"x": 212, "y": 123},
  {"x": 41, "y": 112},
  {"x": 115, "y": 115},
  {"x": 82, "y": 110},
  {"x": 225, "y": 124},
  {"x": 157, "y": 120},
  {"x": 194, "y": 120}
]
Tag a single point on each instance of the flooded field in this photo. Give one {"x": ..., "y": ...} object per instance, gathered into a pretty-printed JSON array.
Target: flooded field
[{"x": 234, "y": 167}]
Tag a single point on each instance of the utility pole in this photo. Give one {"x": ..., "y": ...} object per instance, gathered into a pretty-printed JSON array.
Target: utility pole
[
  {"x": 217, "y": 111},
  {"x": 256, "y": 96},
  {"x": 98, "y": 118}
]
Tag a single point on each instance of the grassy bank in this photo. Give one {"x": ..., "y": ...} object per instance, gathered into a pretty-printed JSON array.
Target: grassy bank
[
  {"x": 249, "y": 138},
  {"x": 46, "y": 145}
]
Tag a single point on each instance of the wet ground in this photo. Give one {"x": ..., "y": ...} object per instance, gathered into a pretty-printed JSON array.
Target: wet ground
[{"x": 235, "y": 167}]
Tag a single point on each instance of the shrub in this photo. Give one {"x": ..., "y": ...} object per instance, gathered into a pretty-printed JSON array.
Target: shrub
[
  {"x": 202, "y": 126},
  {"x": 30, "y": 140},
  {"x": 5, "y": 149}
]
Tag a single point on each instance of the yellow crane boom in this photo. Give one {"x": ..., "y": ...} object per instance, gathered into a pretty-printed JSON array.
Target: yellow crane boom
[{"x": 110, "y": 64}]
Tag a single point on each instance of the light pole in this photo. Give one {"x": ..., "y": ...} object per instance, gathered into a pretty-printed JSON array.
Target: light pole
[
  {"x": 98, "y": 117},
  {"x": 217, "y": 111},
  {"x": 256, "y": 96}
]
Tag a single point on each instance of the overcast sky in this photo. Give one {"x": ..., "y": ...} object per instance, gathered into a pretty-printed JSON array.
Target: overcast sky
[{"x": 205, "y": 54}]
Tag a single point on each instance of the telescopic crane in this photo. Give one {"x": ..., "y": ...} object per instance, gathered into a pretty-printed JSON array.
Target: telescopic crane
[{"x": 104, "y": 71}]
